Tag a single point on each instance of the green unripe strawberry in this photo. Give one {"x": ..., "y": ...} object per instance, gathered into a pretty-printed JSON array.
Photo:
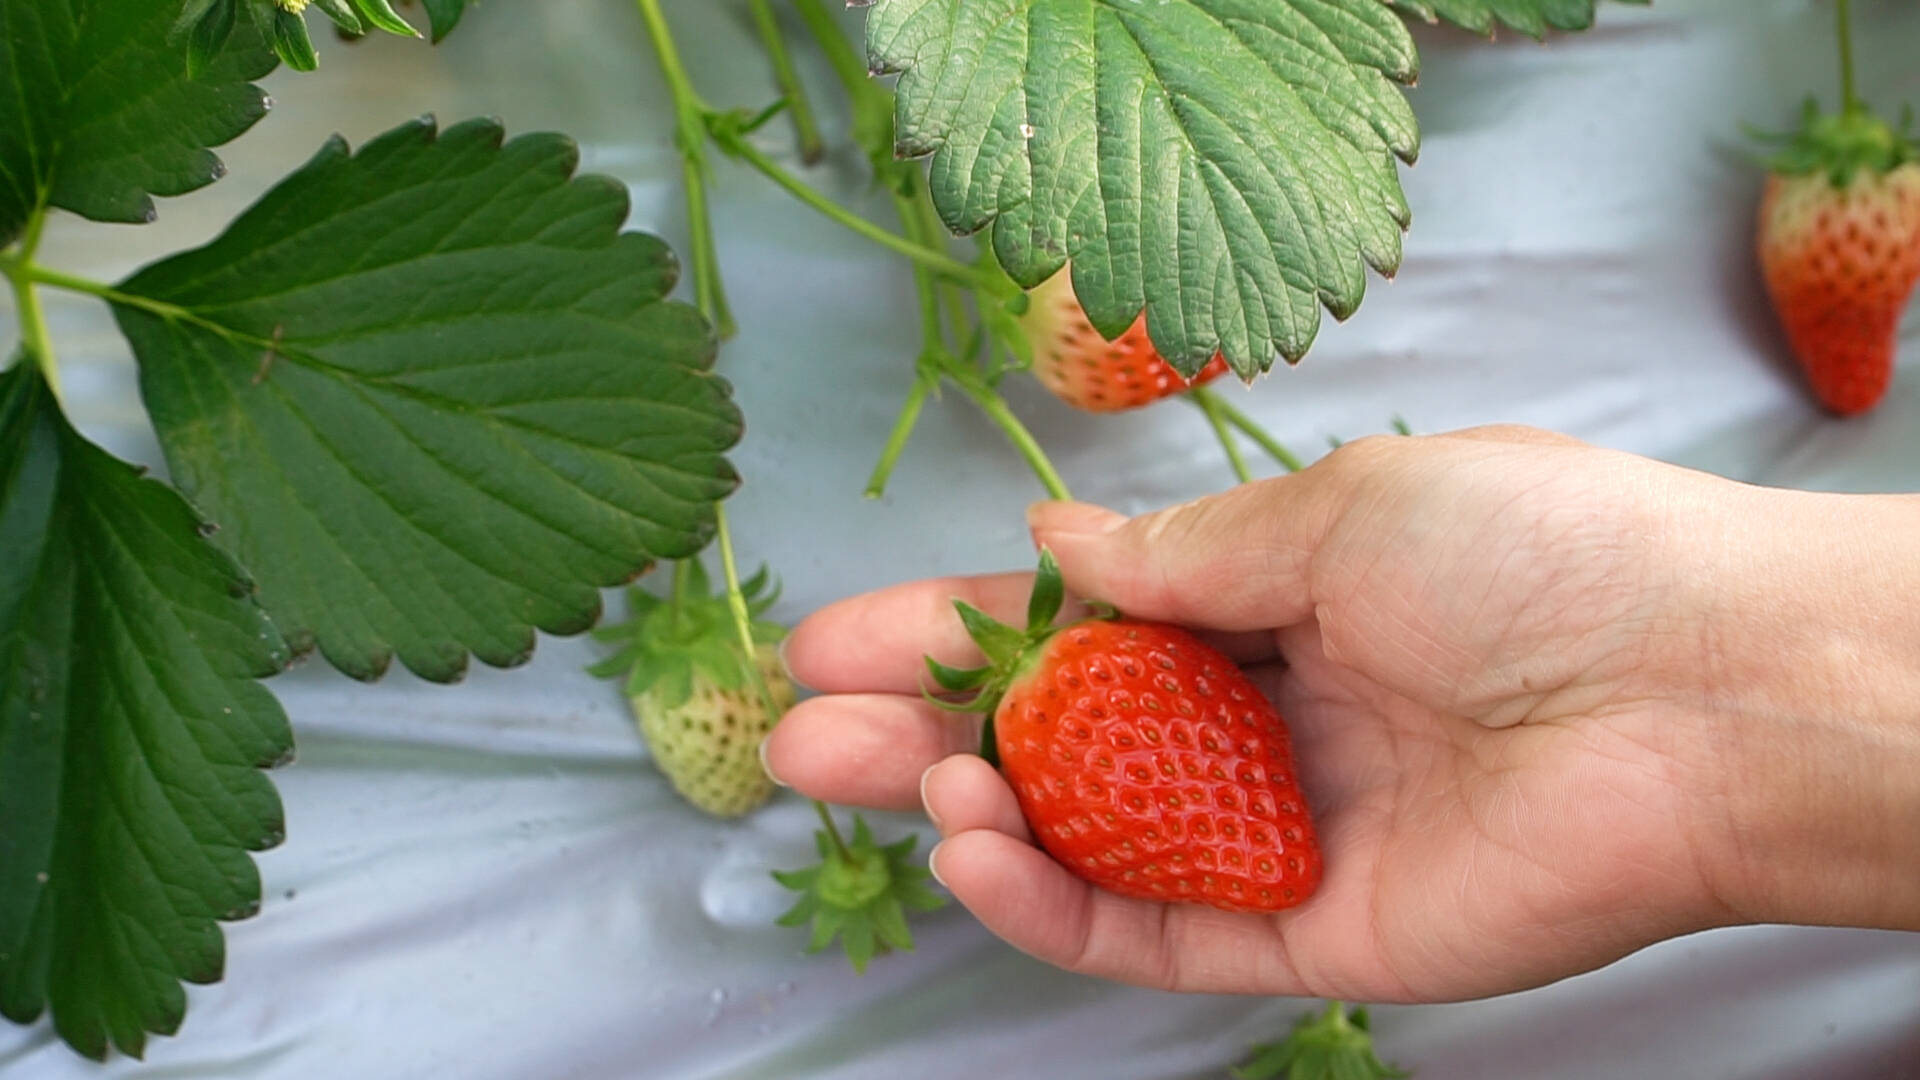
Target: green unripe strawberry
[
  {"x": 701, "y": 703},
  {"x": 708, "y": 744}
]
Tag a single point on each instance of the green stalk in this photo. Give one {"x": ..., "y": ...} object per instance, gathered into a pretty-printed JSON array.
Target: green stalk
[
  {"x": 1849, "y": 94},
  {"x": 743, "y": 626},
  {"x": 690, "y": 137},
  {"x": 937, "y": 261},
  {"x": 1222, "y": 430},
  {"x": 990, "y": 402},
  {"x": 934, "y": 231},
  {"x": 1248, "y": 426},
  {"x": 35, "y": 339},
  {"x": 833, "y": 831},
  {"x": 677, "y": 591},
  {"x": 932, "y": 351},
  {"x": 805, "y": 128},
  {"x": 839, "y": 51},
  {"x": 897, "y": 438}
]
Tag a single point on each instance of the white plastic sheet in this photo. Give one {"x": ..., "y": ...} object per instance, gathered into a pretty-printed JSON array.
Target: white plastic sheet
[{"x": 489, "y": 881}]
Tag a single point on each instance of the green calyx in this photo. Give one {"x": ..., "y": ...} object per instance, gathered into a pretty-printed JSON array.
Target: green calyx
[
  {"x": 1010, "y": 651},
  {"x": 859, "y": 892},
  {"x": 1330, "y": 1045},
  {"x": 670, "y": 643},
  {"x": 1842, "y": 144}
]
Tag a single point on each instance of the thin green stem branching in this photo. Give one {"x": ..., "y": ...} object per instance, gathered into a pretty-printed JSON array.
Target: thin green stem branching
[
  {"x": 690, "y": 138},
  {"x": 1287, "y": 459},
  {"x": 938, "y": 261},
  {"x": 1222, "y": 430},
  {"x": 805, "y": 128}
]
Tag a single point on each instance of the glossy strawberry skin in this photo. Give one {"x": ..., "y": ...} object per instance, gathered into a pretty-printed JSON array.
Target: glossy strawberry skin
[
  {"x": 1839, "y": 264},
  {"x": 1148, "y": 764},
  {"x": 1089, "y": 372}
]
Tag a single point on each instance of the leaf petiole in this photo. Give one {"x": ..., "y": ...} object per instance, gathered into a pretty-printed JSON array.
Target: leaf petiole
[
  {"x": 1287, "y": 459},
  {"x": 925, "y": 380},
  {"x": 937, "y": 261},
  {"x": 990, "y": 402},
  {"x": 1222, "y": 430},
  {"x": 34, "y": 336},
  {"x": 689, "y": 137},
  {"x": 805, "y": 128}
]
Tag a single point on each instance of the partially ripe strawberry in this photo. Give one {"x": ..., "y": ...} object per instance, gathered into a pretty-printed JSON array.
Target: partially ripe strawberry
[
  {"x": 1145, "y": 761},
  {"x": 1086, "y": 370},
  {"x": 1839, "y": 247}
]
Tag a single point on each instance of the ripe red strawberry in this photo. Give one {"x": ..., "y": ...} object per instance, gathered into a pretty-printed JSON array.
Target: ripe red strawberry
[
  {"x": 1145, "y": 760},
  {"x": 1839, "y": 246},
  {"x": 1086, "y": 370}
]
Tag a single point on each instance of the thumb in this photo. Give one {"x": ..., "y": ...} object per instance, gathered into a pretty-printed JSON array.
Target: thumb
[{"x": 1239, "y": 560}]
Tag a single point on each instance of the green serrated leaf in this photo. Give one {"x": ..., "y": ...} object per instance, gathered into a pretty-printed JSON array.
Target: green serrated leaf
[
  {"x": 98, "y": 113},
  {"x": 210, "y": 34},
  {"x": 1227, "y": 165},
  {"x": 436, "y": 418},
  {"x": 132, "y": 734},
  {"x": 1531, "y": 17}
]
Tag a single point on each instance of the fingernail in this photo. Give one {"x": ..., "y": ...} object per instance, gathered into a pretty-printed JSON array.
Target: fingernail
[
  {"x": 780, "y": 653},
  {"x": 766, "y": 766},
  {"x": 928, "y": 807},
  {"x": 1072, "y": 519},
  {"x": 933, "y": 865}
]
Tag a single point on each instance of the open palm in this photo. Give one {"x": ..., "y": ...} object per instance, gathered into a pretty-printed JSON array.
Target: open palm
[{"x": 1477, "y": 667}]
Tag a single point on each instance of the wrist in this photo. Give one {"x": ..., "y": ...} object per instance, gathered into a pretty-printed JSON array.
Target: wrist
[{"x": 1811, "y": 643}]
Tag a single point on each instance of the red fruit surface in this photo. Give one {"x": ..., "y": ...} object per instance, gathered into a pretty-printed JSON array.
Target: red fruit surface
[
  {"x": 1147, "y": 763},
  {"x": 1086, "y": 370},
  {"x": 1839, "y": 263}
]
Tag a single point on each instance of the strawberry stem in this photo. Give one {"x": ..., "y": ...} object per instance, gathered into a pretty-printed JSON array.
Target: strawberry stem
[
  {"x": 937, "y": 261},
  {"x": 805, "y": 128},
  {"x": 832, "y": 830},
  {"x": 689, "y": 137},
  {"x": 35, "y": 339},
  {"x": 923, "y": 385},
  {"x": 1250, "y": 427},
  {"x": 1222, "y": 430},
  {"x": 990, "y": 402},
  {"x": 1849, "y": 95}
]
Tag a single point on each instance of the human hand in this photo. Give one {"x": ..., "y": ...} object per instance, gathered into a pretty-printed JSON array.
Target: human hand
[{"x": 1550, "y": 704}]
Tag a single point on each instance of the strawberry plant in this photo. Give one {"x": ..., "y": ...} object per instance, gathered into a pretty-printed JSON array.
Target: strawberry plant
[{"x": 427, "y": 398}]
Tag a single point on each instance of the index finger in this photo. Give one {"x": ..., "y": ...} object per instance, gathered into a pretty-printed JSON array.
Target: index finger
[{"x": 877, "y": 642}]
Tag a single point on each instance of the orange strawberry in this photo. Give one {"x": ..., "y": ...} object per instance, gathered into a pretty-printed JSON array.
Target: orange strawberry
[
  {"x": 1086, "y": 370},
  {"x": 1839, "y": 246}
]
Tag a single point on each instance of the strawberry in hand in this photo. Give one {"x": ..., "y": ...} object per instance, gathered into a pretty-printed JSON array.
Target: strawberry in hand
[
  {"x": 1086, "y": 370},
  {"x": 1839, "y": 245},
  {"x": 1145, "y": 761}
]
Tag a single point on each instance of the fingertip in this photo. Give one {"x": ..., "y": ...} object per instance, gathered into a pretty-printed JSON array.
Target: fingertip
[
  {"x": 963, "y": 793},
  {"x": 1016, "y": 891}
]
